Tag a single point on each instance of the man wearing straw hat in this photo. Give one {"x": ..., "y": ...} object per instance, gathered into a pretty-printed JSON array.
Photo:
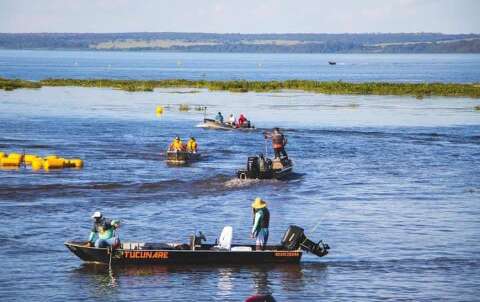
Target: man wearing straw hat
[{"x": 261, "y": 219}]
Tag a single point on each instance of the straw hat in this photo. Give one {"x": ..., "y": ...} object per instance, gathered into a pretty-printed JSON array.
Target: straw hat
[{"x": 259, "y": 203}]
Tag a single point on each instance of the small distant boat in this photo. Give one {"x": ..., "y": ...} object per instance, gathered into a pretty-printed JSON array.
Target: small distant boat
[
  {"x": 332, "y": 62},
  {"x": 268, "y": 169},
  {"x": 213, "y": 124},
  {"x": 197, "y": 252},
  {"x": 178, "y": 158}
]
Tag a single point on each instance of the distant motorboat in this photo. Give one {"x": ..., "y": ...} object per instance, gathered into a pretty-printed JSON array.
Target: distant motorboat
[{"x": 332, "y": 62}]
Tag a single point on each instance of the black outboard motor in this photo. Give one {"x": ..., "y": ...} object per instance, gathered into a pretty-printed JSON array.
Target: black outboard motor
[
  {"x": 294, "y": 238},
  {"x": 253, "y": 167}
]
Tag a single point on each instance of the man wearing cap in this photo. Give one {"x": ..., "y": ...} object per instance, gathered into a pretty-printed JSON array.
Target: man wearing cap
[
  {"x": 103, "y": 231},
  {"x": 261, "y": 220}
]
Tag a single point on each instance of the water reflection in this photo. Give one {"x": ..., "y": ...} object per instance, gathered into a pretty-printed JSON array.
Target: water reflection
[
  {"x": 229, "y": 281},
  {"x": 101, "y": 281}
]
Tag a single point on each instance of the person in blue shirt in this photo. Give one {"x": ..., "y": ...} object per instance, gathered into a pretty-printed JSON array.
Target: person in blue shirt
[
  {"x": 219, "y": 117},
  {"x": 103, "y": 232},
  {"x": 261, "y": 221}
]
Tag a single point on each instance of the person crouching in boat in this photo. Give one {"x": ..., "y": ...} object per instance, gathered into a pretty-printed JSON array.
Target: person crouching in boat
[
  {"x": 176, "y": 144},
  {"x": 103, "y": 232},
  {"x": 219, "y": 117},
  {"x": 192, "y": 145},
  {"x": 278, "y": 141},
  {"x": 261, "y": 220}
]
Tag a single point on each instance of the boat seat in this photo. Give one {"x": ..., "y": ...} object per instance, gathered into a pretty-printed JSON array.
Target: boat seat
[
  {"x": 225, "y": 240},
  {"x": 241, "y": 249},
  {"x": 132, "y": 245},
  {"x": 159, "y": 246}
]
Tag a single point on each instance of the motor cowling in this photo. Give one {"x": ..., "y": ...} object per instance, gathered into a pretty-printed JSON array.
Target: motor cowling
[
  {"x": 294, "y": 238},
  {"x": 253, "y": 167}
]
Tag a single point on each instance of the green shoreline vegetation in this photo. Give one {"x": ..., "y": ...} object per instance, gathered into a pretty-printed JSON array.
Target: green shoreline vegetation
[{"x": 418, "y": 90}]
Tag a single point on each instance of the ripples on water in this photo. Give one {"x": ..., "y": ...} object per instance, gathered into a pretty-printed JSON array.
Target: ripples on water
[
  {"x": 39, "y": 64},
  {"x": 393, "y": 181}
]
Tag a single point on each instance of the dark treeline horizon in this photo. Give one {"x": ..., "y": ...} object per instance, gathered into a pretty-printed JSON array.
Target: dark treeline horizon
[{"x": 255, "y": 43}]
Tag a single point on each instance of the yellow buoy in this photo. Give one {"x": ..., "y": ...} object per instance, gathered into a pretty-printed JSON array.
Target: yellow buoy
[
  {"x": 3, "y": 154},
  {"x": 28, "y": 158},
  {"x": 77, "y": 163},
  {"x": 159, "y": 111},
  {"x": 10, "y": 161},
  {"x": 15, "y": 156},
  {"x": 53, "y": 163},
  {"x": 37, "y": 164}
]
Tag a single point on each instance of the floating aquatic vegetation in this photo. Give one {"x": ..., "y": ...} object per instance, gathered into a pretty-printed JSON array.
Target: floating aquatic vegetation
[
  {"x": 184, "y": 107},
  {"x": 9, "y": 85},
  {"x": 418, "y": 90}
]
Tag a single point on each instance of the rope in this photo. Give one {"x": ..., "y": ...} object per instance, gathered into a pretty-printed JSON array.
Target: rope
[{"x": 315, "y": 227}]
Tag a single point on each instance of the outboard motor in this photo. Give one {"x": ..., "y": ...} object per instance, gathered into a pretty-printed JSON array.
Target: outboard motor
[
  {"x": 253, "y": 167},
  {"x": 294, "y": 238}
]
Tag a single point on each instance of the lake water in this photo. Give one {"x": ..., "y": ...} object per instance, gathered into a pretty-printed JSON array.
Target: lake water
[
  {"x": 35, "y": 65},
  {"x": 393, "y": 182}
]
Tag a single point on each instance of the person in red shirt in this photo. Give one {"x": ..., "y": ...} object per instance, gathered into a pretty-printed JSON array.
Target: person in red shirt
[{"x": 242, "y": 120}]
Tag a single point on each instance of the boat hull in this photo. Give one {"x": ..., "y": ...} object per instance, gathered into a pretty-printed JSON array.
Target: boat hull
[
  {"x": 212, "y": 124},
  {"x": 274, "y": 174},
  {"x": 171, "y": 256},
  {"x": 278, "y": 170},
  {"x": 181, "y": 157}
]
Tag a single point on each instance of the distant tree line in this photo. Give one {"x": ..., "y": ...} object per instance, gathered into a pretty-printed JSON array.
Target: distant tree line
[{"x": 306, "y": 43}]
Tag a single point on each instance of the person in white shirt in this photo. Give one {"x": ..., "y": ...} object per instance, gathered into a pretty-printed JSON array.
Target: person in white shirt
[{"x": 231, "y": 120}]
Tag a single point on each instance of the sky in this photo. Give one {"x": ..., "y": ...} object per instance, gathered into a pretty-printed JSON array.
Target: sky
[{"x": 242, "y": 16}]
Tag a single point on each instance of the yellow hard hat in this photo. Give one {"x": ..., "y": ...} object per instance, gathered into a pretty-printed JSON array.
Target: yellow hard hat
[{"x": 259, "y": 203}]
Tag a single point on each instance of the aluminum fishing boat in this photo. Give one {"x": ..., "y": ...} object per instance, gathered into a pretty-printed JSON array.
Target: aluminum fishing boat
[{"x": 290, "y": 250}]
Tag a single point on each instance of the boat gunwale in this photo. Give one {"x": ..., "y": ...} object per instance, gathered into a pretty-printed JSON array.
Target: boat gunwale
[{"x": 79, "y": 245}]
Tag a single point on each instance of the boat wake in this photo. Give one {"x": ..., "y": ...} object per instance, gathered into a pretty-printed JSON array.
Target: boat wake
[{"x": 236, "y": 183}]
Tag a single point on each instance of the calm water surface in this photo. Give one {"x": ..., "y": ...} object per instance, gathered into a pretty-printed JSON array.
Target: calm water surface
[
  {"x": 35, "y": 65},
  {"x": 394, "y": 183}
]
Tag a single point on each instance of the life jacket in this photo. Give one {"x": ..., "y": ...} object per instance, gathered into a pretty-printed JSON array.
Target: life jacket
[
  {"x": 265, "y": 218},
  {"x": 277, "y": 140},
  {"x": 192, "y": 145},
  {"x": 104, "y": 229},
  {"x": 176, "y": 145}
]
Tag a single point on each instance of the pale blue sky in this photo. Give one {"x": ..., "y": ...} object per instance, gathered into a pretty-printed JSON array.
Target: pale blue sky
[{"x": 245, "y": 16}]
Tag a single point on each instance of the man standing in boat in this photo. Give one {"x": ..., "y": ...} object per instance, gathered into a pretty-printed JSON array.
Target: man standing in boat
[
  {"x": 103, "y": 232},
  {"x": 278, "y": 141},
  {"x": 261, "y": 220}
]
